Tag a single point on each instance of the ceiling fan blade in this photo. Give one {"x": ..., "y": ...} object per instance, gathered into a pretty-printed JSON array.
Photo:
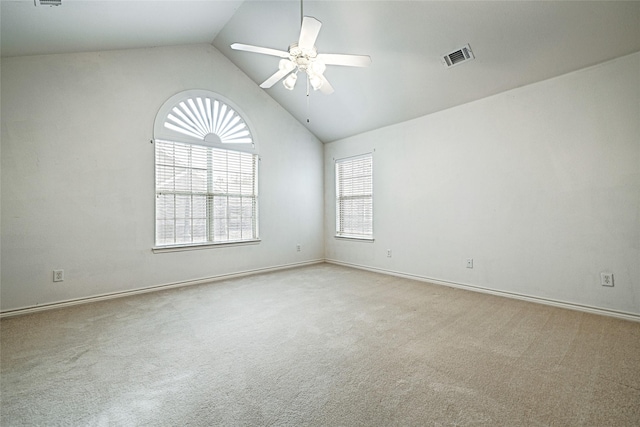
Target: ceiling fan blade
[
  {"x": 258, "y": 49},
  {"x": 346, "y": 60},
  {"x": 274, "y": 78},
  {"x": 309, "y": 32},
  {"x": 326, "y": 87}
]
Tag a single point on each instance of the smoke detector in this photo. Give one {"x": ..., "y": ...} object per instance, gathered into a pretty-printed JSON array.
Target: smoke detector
[
  {"x": 458, "y": 56},
  {"x": 47, "y": 2}
]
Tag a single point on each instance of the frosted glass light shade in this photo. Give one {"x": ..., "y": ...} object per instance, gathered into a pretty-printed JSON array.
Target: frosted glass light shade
[
  {"x": 316, "y": 82},
  {"x": 290, "y": 82}
]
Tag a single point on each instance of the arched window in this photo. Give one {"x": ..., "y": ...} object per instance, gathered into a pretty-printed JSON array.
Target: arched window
[{"x": 206, "y": 172}]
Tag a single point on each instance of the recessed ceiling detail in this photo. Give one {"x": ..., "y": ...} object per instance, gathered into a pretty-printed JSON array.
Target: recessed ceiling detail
[{"x": 458, "y": 56}]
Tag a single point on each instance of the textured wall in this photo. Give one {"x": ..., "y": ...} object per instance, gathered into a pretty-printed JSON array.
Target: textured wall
[
  {"x": 78, "y": 174},
  {"x": 539, "y": 185}
]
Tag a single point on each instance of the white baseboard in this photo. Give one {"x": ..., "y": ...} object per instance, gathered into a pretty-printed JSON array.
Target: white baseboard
[
  {"x": 103, "y": 297},
  {"x": 555, "y": 303},
  {"x": 523, "y": 297}
]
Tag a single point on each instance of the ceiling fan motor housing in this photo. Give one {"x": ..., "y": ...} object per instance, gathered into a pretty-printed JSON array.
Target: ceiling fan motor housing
[
  {"x": 303, "y": 58},
  {"x": 306, "y": 60}
]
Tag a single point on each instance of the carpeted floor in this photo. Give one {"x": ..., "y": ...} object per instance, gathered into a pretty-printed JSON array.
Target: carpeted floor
[{"x": 322, "y": 345}]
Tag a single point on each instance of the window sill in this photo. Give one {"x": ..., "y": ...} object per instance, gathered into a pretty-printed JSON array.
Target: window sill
[
  {"x": 357, "y": 239},
  {"x": 195, "y": 247}
]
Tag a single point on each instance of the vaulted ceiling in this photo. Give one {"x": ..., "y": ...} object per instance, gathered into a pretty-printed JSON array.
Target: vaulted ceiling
[{"x": 515, "y": 43}]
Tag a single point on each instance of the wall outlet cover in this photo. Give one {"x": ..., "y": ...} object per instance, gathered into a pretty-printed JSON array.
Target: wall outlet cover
[{"x": 606, "y": 279}]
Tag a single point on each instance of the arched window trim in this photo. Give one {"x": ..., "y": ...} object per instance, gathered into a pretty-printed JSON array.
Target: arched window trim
[
  {"x": 197, "y": 115},
  {"x": 205, "y": 196}
]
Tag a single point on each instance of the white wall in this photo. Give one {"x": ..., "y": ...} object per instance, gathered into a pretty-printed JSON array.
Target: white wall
[
  {"x": 539, "y": 185},
  {"x": 78, "y": 174}
]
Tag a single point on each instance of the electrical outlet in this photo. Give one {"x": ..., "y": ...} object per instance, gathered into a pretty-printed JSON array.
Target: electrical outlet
[
  {"x": 298, "y": 247},
  {"x": 469, "y": 262},
  {"x": 606, "y": 279},
  {"x": 388, "y": 253},
  {"x": 58, "y": 275}
]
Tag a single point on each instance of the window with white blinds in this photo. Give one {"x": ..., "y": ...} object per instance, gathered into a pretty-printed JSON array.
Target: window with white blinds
[
  {"x": 354, "y": 197},
  {"x": 205, "y": 194},
  {"x": 206, "y": 172}
]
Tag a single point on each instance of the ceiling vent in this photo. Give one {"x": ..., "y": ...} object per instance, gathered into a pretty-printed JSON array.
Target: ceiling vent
[
  {"x": 47, "y": 2},
  {"x": 458, "y": 56}
]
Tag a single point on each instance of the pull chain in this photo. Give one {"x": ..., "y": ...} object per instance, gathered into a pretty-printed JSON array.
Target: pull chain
[
  {"x": 308, "y": 113},
  {"x": 301, "y": 21}
]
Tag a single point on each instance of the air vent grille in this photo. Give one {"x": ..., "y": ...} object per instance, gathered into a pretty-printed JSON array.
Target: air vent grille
[
  {"x": 47, "y": 2},
  {"x": 458, "y": 56}
]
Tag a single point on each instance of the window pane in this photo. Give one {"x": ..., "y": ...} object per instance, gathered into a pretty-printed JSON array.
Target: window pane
[
  {"x": 164, "y": 178},
  {"x": 199, "y": 157},
  {"x": 182, "y": 179},
  {"x": 182, "y": 155},
  {"x": 220, "y": 231},
  {"x": 200, "y": 230},
  {"x": 199, "y": 180},
  {"x": 183, "y": 230},
  {"x": 234, "y": 183},
  {"x": 246, "y": 184},
  {"x": 165, "y": 206},
  {"x": 183, "y": 206},
  {"x": 199, "y": 207},
  {"x": 165, "y": 233}
]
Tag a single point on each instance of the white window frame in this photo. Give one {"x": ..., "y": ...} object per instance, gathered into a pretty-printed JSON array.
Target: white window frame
[
  {"x": 203, "y": 137},
  {"x": 354, "y": 197}
]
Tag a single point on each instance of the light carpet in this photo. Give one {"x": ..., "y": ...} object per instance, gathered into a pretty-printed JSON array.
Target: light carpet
[{"x": 322, "y": 345}]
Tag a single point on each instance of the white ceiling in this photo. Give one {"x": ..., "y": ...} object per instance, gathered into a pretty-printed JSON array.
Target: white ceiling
[
  {"x": 515, "y": 43},
  {"x": 91, "y": 25}
]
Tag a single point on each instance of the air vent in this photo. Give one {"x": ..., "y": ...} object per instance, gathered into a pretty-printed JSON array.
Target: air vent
[
  {"x": 458, "y": 56},
  {"x": 47, "y": 2}
]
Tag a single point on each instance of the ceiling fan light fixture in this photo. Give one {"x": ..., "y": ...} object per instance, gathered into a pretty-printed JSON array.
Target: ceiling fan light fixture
[
  {"x": 290, "y": 82},
  {"x": 316, "y": 81},
  {"x": 303, "y": 56},
  {"x": 318, "y": 67}
]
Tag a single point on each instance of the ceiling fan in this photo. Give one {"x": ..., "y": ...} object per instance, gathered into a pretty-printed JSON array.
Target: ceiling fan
[{"x": 302, "y": 56}]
